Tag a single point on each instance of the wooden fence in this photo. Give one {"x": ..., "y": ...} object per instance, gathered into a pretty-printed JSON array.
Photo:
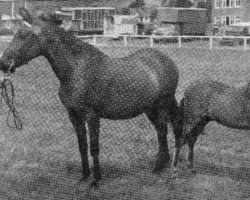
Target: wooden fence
[{"x": 211, "y": 42}]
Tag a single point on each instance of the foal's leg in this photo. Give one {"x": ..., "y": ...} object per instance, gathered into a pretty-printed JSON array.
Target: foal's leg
[
  {"x": 77, "y": 119},
  {"x": 94, "y": 128},
  {"x": 159, "y": 119},
  {"x": 190, "y": 155},
  {"x": 192, "y": 138}
]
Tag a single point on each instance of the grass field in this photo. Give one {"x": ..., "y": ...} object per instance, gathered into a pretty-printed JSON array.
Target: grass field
[{"x": 42, "y": 160}]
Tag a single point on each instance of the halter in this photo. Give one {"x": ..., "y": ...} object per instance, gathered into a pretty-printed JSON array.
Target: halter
[
  {"x": 12, "y": 64},
  {"x": 7, "y": 74},
  {"x": 7, "y": 94}
]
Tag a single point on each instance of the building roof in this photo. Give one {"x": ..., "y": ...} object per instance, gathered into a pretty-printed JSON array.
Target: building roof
[
  {"x": 11, "y": 0},
  {"x": 180, "y": 8},
  {"x": 86, "y": 8},
  {"x": 241, "y": 24}
]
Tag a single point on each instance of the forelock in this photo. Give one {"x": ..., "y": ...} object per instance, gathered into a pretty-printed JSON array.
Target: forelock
[
  {"x": 23, "y": 33},
  {"x": 50, "y": 17}
]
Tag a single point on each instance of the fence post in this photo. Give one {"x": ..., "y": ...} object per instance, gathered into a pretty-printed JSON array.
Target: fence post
[
  {"x": 94, "y": 40},
  {"x": 245, "y": 44},
  {"x": 210, "y": 42},
  {"x": 179, "y": 41},
  {"x": 125, "y": 40},
  {"x": 151, "y": 41}
]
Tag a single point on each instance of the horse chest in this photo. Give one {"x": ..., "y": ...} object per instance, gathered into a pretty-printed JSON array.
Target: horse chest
[{"x": 72, "y": 97}]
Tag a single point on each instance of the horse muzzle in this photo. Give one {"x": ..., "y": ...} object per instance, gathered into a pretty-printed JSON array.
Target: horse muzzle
[{"x": 7, "y": 68}]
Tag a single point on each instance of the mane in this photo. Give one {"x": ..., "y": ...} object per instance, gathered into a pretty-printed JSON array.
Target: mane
[{"x": 76, "y": 45}]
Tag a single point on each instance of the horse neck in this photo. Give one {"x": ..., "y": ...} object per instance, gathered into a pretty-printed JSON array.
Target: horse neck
[{"x": 65, "y": 54}]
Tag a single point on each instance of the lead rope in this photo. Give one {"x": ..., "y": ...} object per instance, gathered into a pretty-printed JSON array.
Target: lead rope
[{"x": 8, "y": 96}]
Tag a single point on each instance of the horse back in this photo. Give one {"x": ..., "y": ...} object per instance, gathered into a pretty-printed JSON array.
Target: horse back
[
  {"x": 198, "y": 96},
  {"x": 218, "y": 101},
  {"x": 153, "y": 66}
]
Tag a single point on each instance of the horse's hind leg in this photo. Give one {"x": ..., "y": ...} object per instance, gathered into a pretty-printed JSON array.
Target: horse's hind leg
[
  {"x": 93, "y": 122},
  {"x": 177, "y": 120},
  {"x": 158, "y": 117}
]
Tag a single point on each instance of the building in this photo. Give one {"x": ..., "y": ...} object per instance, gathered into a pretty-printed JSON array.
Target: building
[
  {"x": 88, "y": 20},
  {"x": 247, "y": 12},
  {"x": 9, "y": 8},
  {"x": 10, "y": 21},
  {"x": 223, "y": 12},
  {"x": 227, "y": 12}
]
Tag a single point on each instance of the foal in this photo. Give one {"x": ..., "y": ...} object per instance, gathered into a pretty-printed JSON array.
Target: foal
[{"x": 205, "y": 101}]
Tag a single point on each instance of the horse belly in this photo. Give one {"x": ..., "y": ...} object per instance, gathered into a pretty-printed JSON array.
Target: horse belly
[{"x": 127, "y": 105}]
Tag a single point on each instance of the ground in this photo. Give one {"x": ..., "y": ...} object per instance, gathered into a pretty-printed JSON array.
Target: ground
[{"x": 42, "y": 161}]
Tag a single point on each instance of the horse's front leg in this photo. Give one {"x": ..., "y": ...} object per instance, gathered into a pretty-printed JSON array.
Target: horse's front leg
[
  {"x": 190, "y": 155},
  {"x": 93, "y": 122},
  {"x": 77, "y": 119}
]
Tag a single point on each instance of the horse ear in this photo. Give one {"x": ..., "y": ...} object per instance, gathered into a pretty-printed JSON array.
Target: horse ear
[
  {"x": 30, "y": 21},
  {"x": 26, "y": 15}
]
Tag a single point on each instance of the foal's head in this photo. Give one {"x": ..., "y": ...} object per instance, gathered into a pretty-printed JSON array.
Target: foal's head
[{"x": 28, "y": 43}]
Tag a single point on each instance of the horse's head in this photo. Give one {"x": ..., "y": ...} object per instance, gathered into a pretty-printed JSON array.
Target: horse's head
[{"x": 27, "y": 43}]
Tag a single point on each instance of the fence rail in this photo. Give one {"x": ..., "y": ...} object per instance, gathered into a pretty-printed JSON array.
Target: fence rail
[{"x": 212, "y": 41}]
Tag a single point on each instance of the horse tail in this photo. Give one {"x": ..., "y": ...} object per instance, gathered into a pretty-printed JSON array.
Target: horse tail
[
  {"x": 183, "y": 119},
  {"x": 180, "y": 117}
]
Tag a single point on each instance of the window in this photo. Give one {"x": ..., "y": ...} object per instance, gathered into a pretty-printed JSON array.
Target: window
[
  {"x": 237, "y": 19},
  {"x": 228, "y": 3},
  {"x": 223, "y": 4},
  {"x": 232, "y": 18},
  {"x": 217, "y": 21},
  {"x": 238, "y": 3},
  {"x": 227, "y": 20},
  {"x": 217, "y": 3},
  {"x": 223, "y": 20},
  {"x": 232, "y": 3},
  {"x": 77, "y": 14}
]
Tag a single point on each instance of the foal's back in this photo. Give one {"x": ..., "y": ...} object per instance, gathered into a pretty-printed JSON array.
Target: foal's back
[{"x": 230, "y": 106}]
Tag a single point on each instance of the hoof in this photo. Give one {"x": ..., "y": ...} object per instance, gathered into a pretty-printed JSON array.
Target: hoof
[
  {"x": 161, "y": 163},
  {"x": 192, "y": 171},
  {"x": 94, "y": 184},
  {"x": 157, "y": 170},
  {"x": 174, "y": 170},
  {"x": 84, "y": 177}
]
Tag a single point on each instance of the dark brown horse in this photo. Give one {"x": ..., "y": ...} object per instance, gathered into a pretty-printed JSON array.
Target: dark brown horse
[
  {"x": 205, "y": 101},
  {"x": 94, "y": 86}
]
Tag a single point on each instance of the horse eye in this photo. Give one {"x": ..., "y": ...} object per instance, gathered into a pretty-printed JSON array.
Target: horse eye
[{"x": 22, "y": 36}]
